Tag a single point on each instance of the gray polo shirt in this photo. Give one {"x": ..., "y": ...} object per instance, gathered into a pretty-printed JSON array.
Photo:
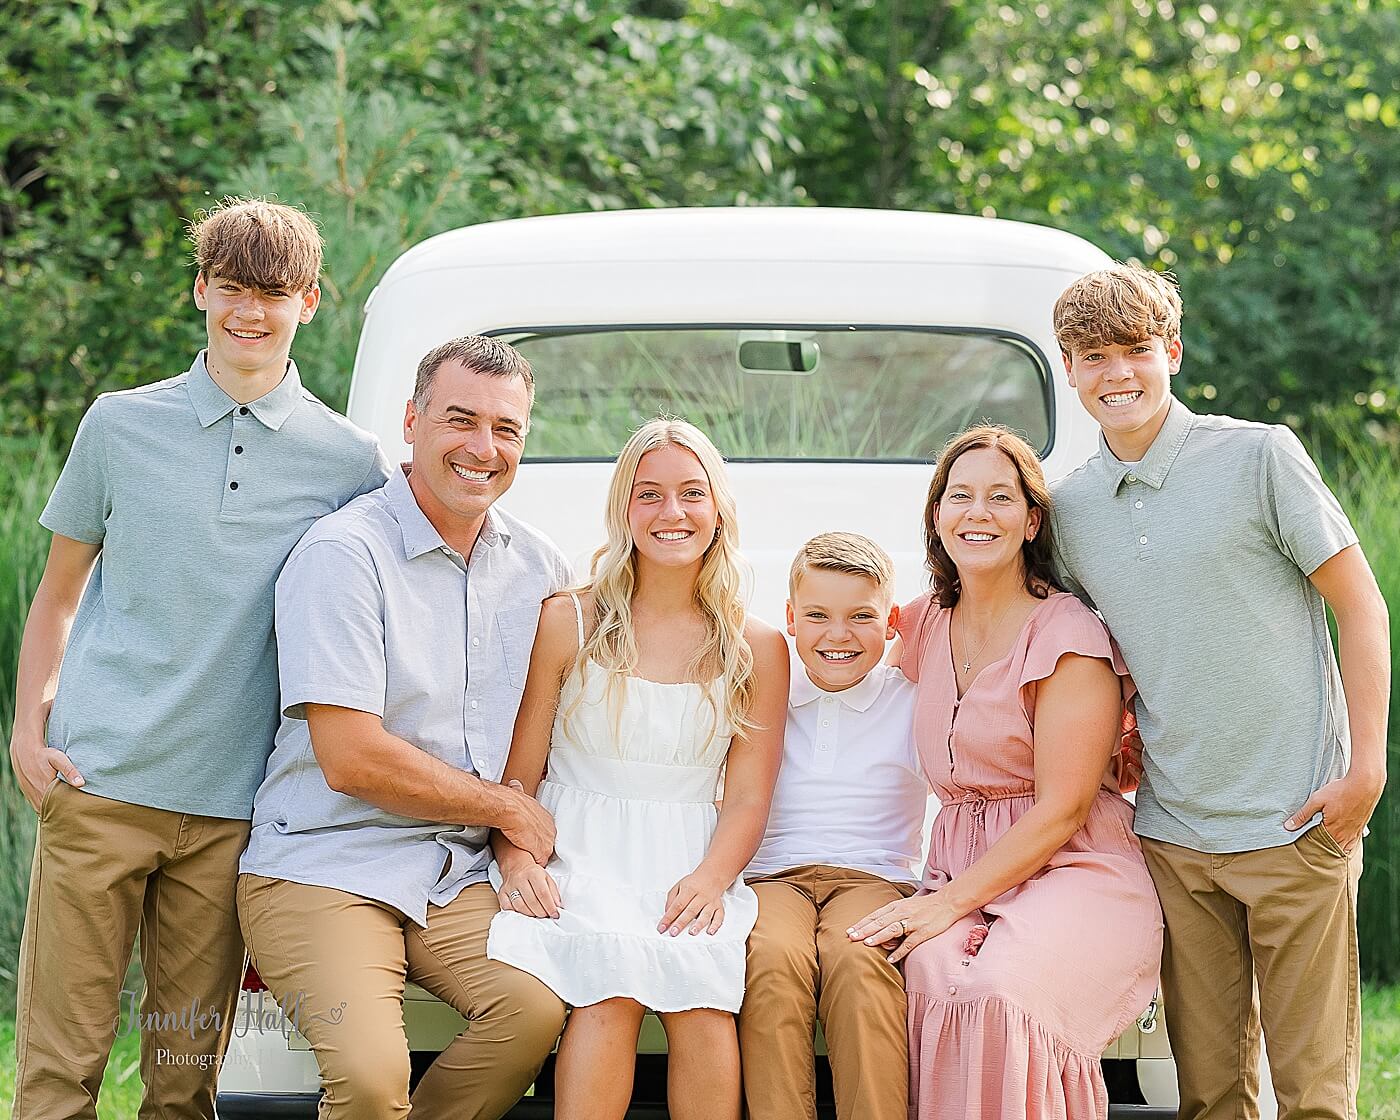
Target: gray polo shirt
[
  {"x": 376, "y": 613},
  {"x": 1198, "y": 559},
  {"x": 167, "y": 696}
]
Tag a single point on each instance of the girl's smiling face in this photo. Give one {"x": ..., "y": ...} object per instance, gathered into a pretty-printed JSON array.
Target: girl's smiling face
[{"x": 671, "y": 512}]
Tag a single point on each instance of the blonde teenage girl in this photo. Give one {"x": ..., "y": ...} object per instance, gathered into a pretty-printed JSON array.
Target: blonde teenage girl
[{"x": 642, "y": 686}]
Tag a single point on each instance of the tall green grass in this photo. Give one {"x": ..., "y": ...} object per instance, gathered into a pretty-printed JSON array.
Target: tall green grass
[
  {"x": 1364, "y": 469},
  {"x": 28, "y": 467}
]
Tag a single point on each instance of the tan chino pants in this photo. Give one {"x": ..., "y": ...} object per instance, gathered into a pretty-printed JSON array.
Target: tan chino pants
[
  {"x": 1266, "y": 936},
  {"x": 802, "y": 966},
  {"x": 341, "y": 962},
  {"x": 102, "y": 870}
]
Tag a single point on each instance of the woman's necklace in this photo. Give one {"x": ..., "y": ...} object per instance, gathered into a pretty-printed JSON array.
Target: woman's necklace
[{"x": 969, "y": 658}]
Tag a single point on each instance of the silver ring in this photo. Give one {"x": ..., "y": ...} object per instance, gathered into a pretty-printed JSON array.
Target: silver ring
[
  {"x": 513, "y": 895},
  {"x": 903, "y": 929}
]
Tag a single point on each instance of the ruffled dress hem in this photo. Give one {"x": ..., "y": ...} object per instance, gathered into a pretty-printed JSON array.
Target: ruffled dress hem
[
  {"x": 986, "y": 1059},
  {"x": 661, "y": 973}
]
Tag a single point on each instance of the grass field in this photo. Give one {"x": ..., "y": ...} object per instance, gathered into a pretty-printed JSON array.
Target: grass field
[{"x": 1379, "y": 1098}]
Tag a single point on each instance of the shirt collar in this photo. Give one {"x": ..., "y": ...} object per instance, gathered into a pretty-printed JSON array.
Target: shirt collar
[
  {"x": 212, "y": 404},
  {"x": 858, "y": 697},
  {"x": 419, "y": 535},
  {"x": 1160, "y": 456}
]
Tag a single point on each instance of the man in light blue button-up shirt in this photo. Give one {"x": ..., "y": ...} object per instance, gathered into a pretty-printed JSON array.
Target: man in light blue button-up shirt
[
  {"x": 404, "y": 625},
  {"x": 181, "y": 501}
]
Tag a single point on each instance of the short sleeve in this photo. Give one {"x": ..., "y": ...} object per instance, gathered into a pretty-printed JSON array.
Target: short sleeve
[
  {"x": 1067, "y": 626},
  {"x": 377, "y": 475},
  {"x": 912, "y": 629},
  {"x": 1303, "y": 515},
  {"x": 330, "y": 631},
  {"x": 563, "y": 573},
  {"x": 82, "y": 497}
]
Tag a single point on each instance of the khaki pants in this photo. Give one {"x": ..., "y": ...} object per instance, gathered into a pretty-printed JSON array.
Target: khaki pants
[
  {"x": 102, "y": 870},
  {"x": 338, "y": 964},
  {"x": 1264, "y": 936},
  {"x": 801, "y": 965}
]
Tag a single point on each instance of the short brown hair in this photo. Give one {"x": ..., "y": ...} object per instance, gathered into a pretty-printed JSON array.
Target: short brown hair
[
  {"x": 1119, "y": 305},
  {"x": 480, "y": 354},
  {"x": 843, "y": 552},
  {"x": 1036, "y": 553},
  {"x": 258, "y": 244}
]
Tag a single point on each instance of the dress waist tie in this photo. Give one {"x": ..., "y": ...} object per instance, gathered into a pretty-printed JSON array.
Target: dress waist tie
[{"x": 977, "y": 802}]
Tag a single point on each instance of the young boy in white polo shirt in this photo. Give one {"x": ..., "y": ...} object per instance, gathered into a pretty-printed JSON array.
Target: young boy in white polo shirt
[{"x": 842, "y": 840}]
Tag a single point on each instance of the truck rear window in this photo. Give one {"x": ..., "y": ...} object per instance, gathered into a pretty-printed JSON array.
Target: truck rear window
[{"x": 863, "y": 393}]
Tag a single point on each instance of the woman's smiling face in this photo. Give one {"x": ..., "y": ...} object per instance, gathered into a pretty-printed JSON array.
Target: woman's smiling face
[{"x": 983, "y": 516}]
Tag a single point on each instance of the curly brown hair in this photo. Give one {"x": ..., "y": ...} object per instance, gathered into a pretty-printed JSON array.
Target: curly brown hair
[
  {"x": 1119, "y": 305},
  {"x": 1036, "y": 553}
]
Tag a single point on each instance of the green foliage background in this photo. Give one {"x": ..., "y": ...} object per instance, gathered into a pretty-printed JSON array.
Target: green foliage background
[{"x": 1249, "y": 146}]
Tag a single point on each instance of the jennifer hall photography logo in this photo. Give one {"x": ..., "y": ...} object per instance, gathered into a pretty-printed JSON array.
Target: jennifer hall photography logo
[{"x": 259, "y": 1013}]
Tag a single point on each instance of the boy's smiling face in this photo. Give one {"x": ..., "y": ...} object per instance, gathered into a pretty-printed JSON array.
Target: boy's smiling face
[
  {"x": 251, "y": 329},
  {"x": 1127, "y": 389},
  {"x": 841, "y": 622}
]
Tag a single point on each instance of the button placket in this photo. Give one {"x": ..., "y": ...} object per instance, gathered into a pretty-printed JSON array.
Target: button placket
[
  {"x": 1142, "y": 534},
  {"x": 828, "y": 724},
  {"x": 236, "y": 463},
  {"x": 471, "y": 705}
]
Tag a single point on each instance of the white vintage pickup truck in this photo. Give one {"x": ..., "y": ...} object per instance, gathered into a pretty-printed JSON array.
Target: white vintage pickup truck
[{"x": 827, "y": 352}]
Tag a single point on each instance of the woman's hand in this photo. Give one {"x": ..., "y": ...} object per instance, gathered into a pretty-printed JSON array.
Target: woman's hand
[
  {"x": 697, "y": 902},
  {"x": 527, "y": 888},
  {"x": 904, "y": 924}
]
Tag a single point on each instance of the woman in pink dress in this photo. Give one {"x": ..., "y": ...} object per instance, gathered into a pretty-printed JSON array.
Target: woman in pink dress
[{"x": 1038, "y": 938}]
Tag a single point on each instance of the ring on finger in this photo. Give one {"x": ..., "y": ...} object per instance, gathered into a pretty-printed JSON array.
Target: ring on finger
[
  {"x": 903, "y": 929},
  {"x": 514, "y": 896}
]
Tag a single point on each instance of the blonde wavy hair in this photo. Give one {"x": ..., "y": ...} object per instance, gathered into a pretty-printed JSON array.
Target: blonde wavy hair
[{"x": 724, "y": 656}]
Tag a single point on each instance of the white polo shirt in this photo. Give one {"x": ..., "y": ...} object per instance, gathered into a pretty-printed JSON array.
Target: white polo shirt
[{"x": 850, "y": 792}]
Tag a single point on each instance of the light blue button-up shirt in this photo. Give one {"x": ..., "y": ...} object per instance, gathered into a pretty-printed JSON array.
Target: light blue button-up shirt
[
  {"x": 167, "y": 696},
  {"x": 376, "y": 613}
]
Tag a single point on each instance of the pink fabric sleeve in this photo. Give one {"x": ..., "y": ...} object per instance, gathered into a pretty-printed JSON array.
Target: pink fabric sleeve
[
  {"x": 912, "y": 628},
  {"x": 1068, "y": 626}
]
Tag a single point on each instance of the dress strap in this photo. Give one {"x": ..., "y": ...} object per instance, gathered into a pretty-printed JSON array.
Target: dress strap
[{"x": 578, "y": 614}]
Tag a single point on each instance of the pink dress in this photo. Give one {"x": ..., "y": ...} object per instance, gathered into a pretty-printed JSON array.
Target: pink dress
[{"x": 1010, "y": 1008}]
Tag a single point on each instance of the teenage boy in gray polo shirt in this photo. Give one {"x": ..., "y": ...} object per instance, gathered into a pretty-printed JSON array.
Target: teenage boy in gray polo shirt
[
  {"x": 404, "y": 625},
  {"x": 181, "y": 499},
  {"x": 1210, "y": 546}
]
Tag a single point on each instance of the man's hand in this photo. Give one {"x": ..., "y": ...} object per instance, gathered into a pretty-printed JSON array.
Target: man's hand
[
  {"x": 527, "y": 825},
  {"x": 35, "y": 763},
  {"x": 1129, "y": 759},
  {"x": 1346, "y": 804}
]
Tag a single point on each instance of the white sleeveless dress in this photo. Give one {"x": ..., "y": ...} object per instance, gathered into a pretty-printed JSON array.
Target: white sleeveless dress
[{"x": 635, "y": 811}]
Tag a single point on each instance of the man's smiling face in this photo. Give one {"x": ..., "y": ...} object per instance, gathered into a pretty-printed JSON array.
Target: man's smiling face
[
  {"x": 1127, "y": 389},
  {"x": 467, "y": 439}
]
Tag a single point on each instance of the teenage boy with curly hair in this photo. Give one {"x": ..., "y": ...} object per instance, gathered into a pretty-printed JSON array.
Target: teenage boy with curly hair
[{"x": 1212, "y": 548}]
